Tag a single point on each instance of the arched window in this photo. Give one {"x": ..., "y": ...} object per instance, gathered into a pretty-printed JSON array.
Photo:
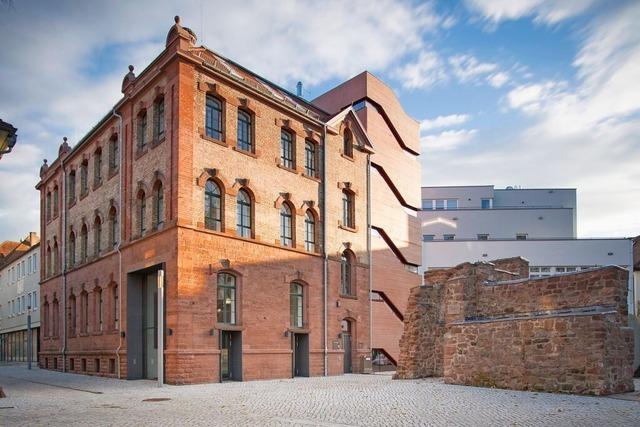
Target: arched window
[
  {"x": 97, "y": 167},
  {"x": 346, "y": 273},
  {"x": 115, "y": 307},
  {"x": 226, "y": 298},
  {"x": 84, "y": 178},
  {"x": 73, "y": 315},
  {"x": 71, "y": 187},
  {"x": 348, "y": 209},
  {"x": 84, "y": 243},
  {"x": 72, "y": 250},
  {"x": 158, "y": 119},
  {"x": 213, "y": 120},
  {"x": 47, "y": 319},
  {"x": 99, "y": 305},
  {"x": 287, "y": 151},
  {"x": 310, "y": 159},
  {"x": 48, "y": 206},
  {"x": 243, "y": 220},
  {"x": 142, "y": 130},
  {"x": 49, "y": 266},
  {"x": 55, "y": 313},
  {"x": 347, "y": 143},
  {"x": 113, "y": 226},
  {"x": 296, "y": 304},
  {"x": 114, "y": 154},
  {"x": 54, "y": 262},
  {"x": 245, "y": 136},
  {"x": 309, "y": 232},
  {"x": 286, "y": 225},
  {"x": 158, "y": 205},
  {"x": 142, "y": 208},
  {"x": 84, "y": 312},
  {"x": 212, "y": 206},
  {"x": 97, "y": 236},
  {"x": 55, "y": 201}
]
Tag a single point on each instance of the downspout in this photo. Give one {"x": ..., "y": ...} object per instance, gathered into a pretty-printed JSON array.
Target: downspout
[
  {"x": 325, "y": 259},
  {"x": 120, "y": 221},
  {"x": 63, "y": 249},
  {"x": 369, "y": 253}
]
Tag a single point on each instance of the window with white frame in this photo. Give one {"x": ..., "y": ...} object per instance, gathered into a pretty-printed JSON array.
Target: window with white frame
[{"x": 448, "y": 236}]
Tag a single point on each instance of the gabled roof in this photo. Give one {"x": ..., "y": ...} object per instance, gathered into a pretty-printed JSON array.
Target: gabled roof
[{"x": 349, "y": 113}]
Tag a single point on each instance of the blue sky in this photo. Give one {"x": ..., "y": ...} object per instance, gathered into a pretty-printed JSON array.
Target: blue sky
[{"x": 536, "y": 93}]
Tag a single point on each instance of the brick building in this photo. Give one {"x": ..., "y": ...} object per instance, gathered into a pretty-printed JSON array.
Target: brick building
[{"x": 252, "y": 207}]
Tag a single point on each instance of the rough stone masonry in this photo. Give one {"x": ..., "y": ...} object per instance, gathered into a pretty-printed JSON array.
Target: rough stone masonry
[{"x": 488, "y": 324}]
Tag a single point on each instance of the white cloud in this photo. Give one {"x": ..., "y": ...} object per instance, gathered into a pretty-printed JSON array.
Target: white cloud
[
  {"x": 498, "y": 79},
  {"x": 466, "y": 67},
  {"x": 447, "y": 140},
  {"x": 428, "y": 70},
  {"x": 583, "y": 134},
  {"x": 542, "y": 11},
  {"x": 444, "y": 122},
  {"x": 67, "y": 60}
]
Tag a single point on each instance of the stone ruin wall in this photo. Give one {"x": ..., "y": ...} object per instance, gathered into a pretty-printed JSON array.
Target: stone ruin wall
[{"x": 487, "y": 324}]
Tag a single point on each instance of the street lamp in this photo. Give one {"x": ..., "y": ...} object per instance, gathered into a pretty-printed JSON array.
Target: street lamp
[{"x": 7, "y": 137}]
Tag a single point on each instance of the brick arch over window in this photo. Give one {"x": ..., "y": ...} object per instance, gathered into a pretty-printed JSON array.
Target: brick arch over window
[
  {"x": 291, "y": 200},
  {"x": 244, "y": 183},
  {"x": 212, "y": 173}
]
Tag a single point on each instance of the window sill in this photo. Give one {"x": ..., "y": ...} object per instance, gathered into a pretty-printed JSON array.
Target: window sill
[
  {"x": 344, "y": 156},
  {"x": 245, "y": 152},
  {"x": 229, "y": 326},
  {"x": 140, "y": 152},
  {"x": 212, "y": 139},
  {"x": 312, "y": 178},
  {"x": 157, "y": 141},
  {"x": 354, "y": 297},
  {"x": 71, "y": 203},
  {"x": 97, "y": 185},
  {"x": 349, "y": 229},
  {"x": 112, "y": 172},
  {"x": 292, "y": 170},
  {"x": 84, "y": 194}
]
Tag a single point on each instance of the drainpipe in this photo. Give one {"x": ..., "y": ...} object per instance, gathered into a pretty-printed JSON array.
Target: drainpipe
[
  {"x": 325, "y": 259},
  {"x": 369, "y": 252},
  {"x": 120, "y": 222},
  {"x": 63, "y": 249}
]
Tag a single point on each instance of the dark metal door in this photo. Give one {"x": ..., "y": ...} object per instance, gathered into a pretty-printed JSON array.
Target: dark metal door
[
  {"x": 225, "y": 360},
  {"x": 346, "y": 343}
]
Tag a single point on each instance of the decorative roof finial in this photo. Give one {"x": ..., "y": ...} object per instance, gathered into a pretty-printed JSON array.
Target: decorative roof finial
[
  {"x": 177, "y": 19},
  {"x": 64, "y": 138},
  {"x": 64, "y": 147},
  {"x": 131, "y": 68}
]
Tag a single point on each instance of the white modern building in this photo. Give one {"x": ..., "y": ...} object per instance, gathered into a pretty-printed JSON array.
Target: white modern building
[
  {"x": 19, "y": 297},
  {"x": 476, "y": 223}
]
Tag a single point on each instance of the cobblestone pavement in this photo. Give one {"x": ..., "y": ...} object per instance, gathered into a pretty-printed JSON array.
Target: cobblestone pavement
[{"x": 40, "y": 397}]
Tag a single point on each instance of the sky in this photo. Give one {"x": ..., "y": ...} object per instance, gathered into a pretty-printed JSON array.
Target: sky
[{"x": 530, "y": 93}]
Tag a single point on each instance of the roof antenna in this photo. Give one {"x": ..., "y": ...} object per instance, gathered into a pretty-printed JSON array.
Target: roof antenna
[{"x": 299, "y": 89}]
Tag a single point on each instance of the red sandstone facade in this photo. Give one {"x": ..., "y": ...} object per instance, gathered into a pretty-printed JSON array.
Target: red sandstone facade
[
  {"x": 129, "y": 200},
  {"x": 487, "y": 324}
]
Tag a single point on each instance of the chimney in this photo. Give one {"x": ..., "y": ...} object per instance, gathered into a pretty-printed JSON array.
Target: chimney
[{"x": 299, "y": 89}]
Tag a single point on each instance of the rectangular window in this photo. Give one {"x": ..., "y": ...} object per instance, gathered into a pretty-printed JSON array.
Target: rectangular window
[
  {"x": 348, "y": 210},
  {"x": 29, "y": 266},
  {"x": 448, "y": 236},
  {"x": 245, "y": 139},
  {"x": 485, "y": 203},
  {"x": 483, "y": 237},
  {"x": 560, "y": 270},
  {"x": 452, "y": 203},
  {"x": 35, "y": 300},
  {"x": 521, "y": 237},
  {"x": 427, "y": 237},
  {"x": 158, "y": 120},
  {"x": 427, "y": 204},
  {"x": 114, "y": 156},
  {"x": 97, "y": 168},
  {"x": 142, "y": 131},
  {"x": 35, "y": 262},
  {"x": 84, "y": 179},
  {"x": 226, "y": 304},
  {"x": 286, "y": 150},
  {"x": 29, "y": 300},
  {"x": 213, "y": 118},
  {"x": 439, "y": 204},
  {"x": 310, "y": 159}
]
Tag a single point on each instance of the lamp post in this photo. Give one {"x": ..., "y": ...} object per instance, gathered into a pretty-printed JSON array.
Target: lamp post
[
  {"x": 29, "y": 338},
  {"x": 8, "y": 137}
]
